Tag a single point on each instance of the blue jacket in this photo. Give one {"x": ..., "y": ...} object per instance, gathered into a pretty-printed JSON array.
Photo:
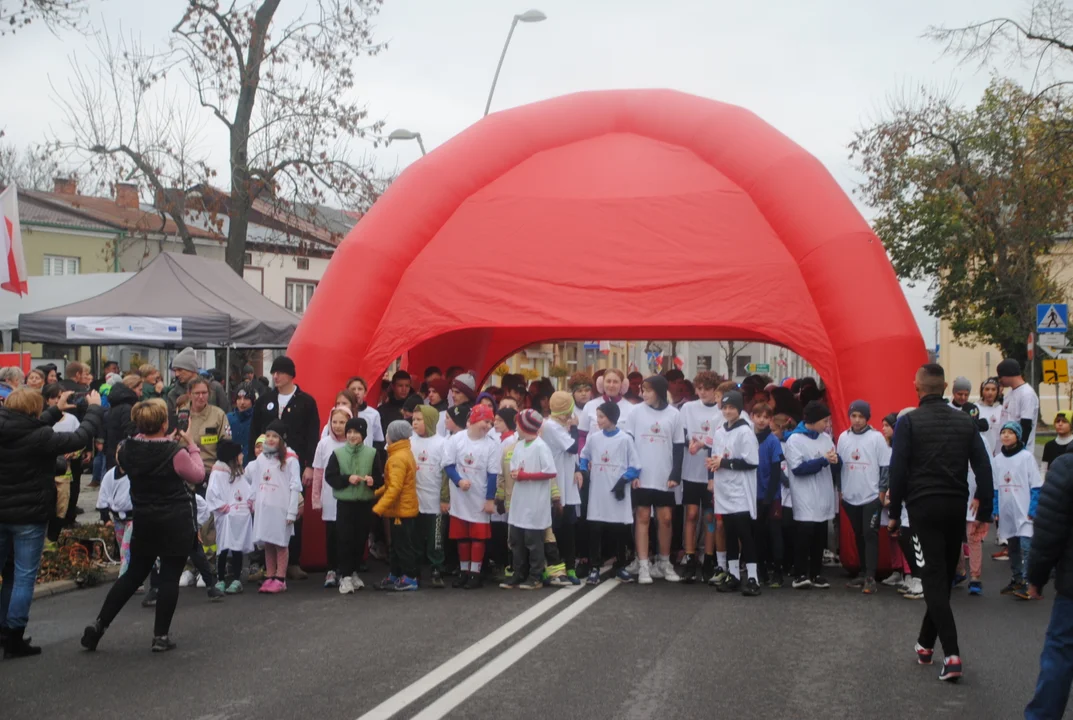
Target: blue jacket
[
  {"x": 769, "y": 471},
  {"x": 240, "y": 421}
]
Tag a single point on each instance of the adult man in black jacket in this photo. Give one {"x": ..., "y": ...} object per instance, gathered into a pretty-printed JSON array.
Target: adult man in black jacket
[
  {"x": 298, "y": 411},
  {"x": 932, "y": 449},
  {"x": 1052, "y": 550}
]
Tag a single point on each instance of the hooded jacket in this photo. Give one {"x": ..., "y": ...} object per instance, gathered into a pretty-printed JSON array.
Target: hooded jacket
[
  {"x": 117, "y": 424},
  {"x": 398, "y": 495}
]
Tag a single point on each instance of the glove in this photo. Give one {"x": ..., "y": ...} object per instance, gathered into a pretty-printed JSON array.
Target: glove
[
  {"x": 620, "y": 488},
  {"x": 501, "y": 507}
]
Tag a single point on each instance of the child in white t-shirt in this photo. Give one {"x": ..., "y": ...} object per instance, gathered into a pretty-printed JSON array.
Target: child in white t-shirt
[
  {"x": 1017, "y": 486},
  {"x": 432, "y": 494},
  {"x": 323, "y": 497},
  {"x": 700, "y": 419},
  {"x": 810, "y": 457},
  {"x": 532, "y": 467},
  {"x": 229, "y": 497}
]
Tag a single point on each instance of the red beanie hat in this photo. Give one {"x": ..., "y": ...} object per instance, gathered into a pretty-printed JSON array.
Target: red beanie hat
[{"x": 479, "y": 413}]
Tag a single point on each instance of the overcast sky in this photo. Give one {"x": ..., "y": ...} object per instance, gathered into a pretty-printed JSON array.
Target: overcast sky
[{"x": 817, "y": 71}]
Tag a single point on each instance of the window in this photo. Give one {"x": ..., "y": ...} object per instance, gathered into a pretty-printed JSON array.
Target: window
[
  {"x": 61, "y": 265},
  {"x": 303, "y": 263},
  {"x": 298, "y": 295},
  {"x": 741, "y": 365},
  {"x": 247, "y": 258},
  {"x": 704, "y": 362}
]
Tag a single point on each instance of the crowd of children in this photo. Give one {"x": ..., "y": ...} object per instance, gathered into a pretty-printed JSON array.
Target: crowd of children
[{"x": 705, "y": 481}]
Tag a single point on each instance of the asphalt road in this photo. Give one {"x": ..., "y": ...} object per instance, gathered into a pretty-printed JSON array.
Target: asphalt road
[{"x": 609, "y": 652}]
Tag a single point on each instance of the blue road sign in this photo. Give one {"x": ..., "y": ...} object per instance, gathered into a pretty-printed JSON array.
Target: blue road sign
[{"x": 1052, "y": 317}]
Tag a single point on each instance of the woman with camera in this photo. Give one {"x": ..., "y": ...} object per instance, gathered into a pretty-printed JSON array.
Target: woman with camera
[
  {"x": 28, "y": 450},
  {"x": 159, "y": 464}
]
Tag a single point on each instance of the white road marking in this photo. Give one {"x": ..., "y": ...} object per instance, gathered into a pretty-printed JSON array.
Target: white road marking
[
  {"x": 459, "y": 662},
  {"x": 458, "y": 694}
]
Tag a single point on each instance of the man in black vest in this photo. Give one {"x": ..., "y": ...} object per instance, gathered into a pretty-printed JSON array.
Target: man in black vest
[
  {"x": 932, "y": 449},
  {"x": 298, "y": 411}
]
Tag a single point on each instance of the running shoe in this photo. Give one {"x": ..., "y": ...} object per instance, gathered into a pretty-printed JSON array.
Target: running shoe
[
  {"x": 924, "y": 655},
  {"x": 751, "y": 588},
  {"x": 976, "y": 587},
  {"x": 801, "y": 583},
  {"x": 951, "y": 671},
  {"x": 594, "y": 578}
]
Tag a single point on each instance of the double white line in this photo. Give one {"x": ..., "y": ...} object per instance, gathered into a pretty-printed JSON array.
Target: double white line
[{"x": 470, "y": 685}]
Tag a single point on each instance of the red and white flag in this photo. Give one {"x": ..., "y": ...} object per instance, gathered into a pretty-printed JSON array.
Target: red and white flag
[{"x": 12, "y": 263}]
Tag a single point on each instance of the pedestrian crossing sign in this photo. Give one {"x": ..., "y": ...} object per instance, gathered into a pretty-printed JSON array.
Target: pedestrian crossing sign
[{"x": 1052, "y": 317}]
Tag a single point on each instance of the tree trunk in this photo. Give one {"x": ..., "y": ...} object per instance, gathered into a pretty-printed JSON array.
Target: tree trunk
[{"x": 239, "y": 216}]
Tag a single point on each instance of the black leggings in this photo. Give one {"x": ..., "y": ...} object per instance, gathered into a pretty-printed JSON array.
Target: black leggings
[
  {"x": 768, "y": 533},
  {"x": 352, "y": 522},
  {"x": 201, "y": 563},
  {"x": 221, "y": 563},
  {"x": 330, "y": 545},
  {"x": 810, "y": 542},
  {"x": 739, "y": 529},
  {"x": 167, "y": 588},
  {"x": 617, "y": 533},
  {"x": 565, "y": 532}
]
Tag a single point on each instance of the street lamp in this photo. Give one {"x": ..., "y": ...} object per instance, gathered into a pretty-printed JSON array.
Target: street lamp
[
  {"x": 403, "y": 134},
  {"x": 529, "y": 16}
]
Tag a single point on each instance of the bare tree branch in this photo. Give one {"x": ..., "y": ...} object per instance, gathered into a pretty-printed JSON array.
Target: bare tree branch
[{"x": 55, "y": 14}]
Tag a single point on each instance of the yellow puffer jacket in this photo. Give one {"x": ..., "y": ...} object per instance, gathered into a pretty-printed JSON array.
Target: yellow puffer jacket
[{"x": 398, "y": 494}]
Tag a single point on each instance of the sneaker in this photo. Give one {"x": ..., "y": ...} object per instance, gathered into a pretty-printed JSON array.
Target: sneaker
[
  {"x": 915, "y": 590},
  {"x": 346, "y": 586},
  {"x": 1022, "y": 593},
  {"x": 215, "y": 593},
  {"x": 358, "y": 583},
  {"x": 530, "y": 585},
  {"x": 623, "y": 577},
  {"x": 801, "y": 583},
  {"x": 150, "y": 598},
  {"x": 387, "y": 583},
  {"x": 689, "y": 568},
  {"x": 511, "y": 582},
  {"x": 856, "y": 583},
  {"x": 330, "y": 580},
  {"x": 707, "y": 569},
  {"x": 437, "y": 579},
  {"x": 571, "y": 575},
  {"x": 406, "y": 584},
  {"x": 564, "y": 581},
  {"x": 958, "y": 579},
  {"x": 906, "y": 583},
  {"x": 593, "y": 578},
  {"x": 474, "y": 582},
  {"x": 296, "y": 573},
  {"x": 893, "y": 580},
  {"x": 718, "y": 577},
  {"x": 201, "y": 582},
  {"x": 924, "y": 655},
  {"x": 668, "y": 571},
  {"x": 731, "y": 584},
  {"x": 634, "y": 567},
  {"x": 221, "y": 586},
  {"x": 820, "y": 582},
  {"x": 186, "y": 579},
  {"x": 1003, "y": 554},
  {"x": 460, "y": 581},
  {"x": 951, "y": 671},
  {"x": 644, "y": 575},
  {"x": 91, "y": 636},
  {"x": 256, "y": 574},
  {"x": 162, "y": 644},
  {"x": 870, "y": 586},
  {"x": 976, "y": 587},
  {"x": 776, "y": 580},
  {"x": 751, "y": 588},
  {"x": 235, "y": 588},
  {"x": 655, "y": 570},
  {"x": 1010, "y": 589}
]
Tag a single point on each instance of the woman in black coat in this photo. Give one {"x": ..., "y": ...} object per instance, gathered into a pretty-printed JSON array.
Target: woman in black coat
[
  {"x": 160, "y": 466},
  {"x": 28, "y": 451}
]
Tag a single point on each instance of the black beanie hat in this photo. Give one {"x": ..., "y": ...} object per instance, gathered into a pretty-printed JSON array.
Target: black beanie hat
[
  {"x": 1008, "y": 368},
  {"x": 891, "y": 419},
  {"x": 733, "y": 398},
  {"x": 285, "y": 365},
  {"x": 658, "y": 383},
  {"x": 227, "y": 450},
  {"x": 816, "y": 411},
  {"x": 359, "y": 424},
  {"x": 459, "y": 414},
  {"x": 412, "y": 402},
  {"x": 509, "y": 417},
  {"x": 278, "y": 427},
  {"x": 611, "y": 411}
]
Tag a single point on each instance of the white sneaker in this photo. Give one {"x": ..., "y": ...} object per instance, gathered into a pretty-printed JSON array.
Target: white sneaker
[
  {"x": 634, "y": 567},
  {"x": 346, "y": 587},
  {"x": 644, "y": 575},
  {"x": 915, "y": 591},
  {"x": 201, "y": 581},
  {"x": 667, "y": 570},
  {"x": 894, "y": 580},
  {"x": 357, "y": 582},
  {"x": 186, "y": 579},
  {"x": 654, "y": 570}
]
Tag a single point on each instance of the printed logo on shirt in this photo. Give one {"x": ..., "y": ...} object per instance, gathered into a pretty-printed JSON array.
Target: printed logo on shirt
[
  {"x": 655, "y": 428},
  {"x": 856, "y": 454},
  {"x": 422, "y": 457},
  {"x": 468, "y": 459},
  {"x": 605, "y": 458},
  {"x": 705, "y": 427},
  {"x": 1007, "y": 477}
]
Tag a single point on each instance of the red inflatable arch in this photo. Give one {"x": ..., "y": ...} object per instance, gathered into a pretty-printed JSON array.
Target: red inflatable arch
[{"x": 625, "y": 214}]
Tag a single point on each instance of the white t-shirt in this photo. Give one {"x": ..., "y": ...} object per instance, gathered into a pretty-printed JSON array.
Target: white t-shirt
[
  {"x": 655, "y": 432},
  {"x": 67, "y": 423},
  {"x": 699, "y": 421},
  {"x": 530, "y": 501},
  {"x": 862, "y": 456},
  {"x": 276, "y": 493},
  {"x": 813, "y": 495},
  {"x": 1020, "y": 404},
  {"x": 428, "y": 452},
  {"x": 328, "y": 503},
  {"x": 234, "y": 528},
  {"x": 558, "y": 439},
  {"x": 473, "y": 459},
  {"x": 993, "y": 415},
  {"x": 609, "y": 458},
  {"x": 284, "y": 400},
  {"x": 588, "y": 415},
  {"x": 114, "y": 494},
  {"x": 1015, "y": 477},
  {"x": 735, "y": 490},
  {"x": 787, "y": 496}
]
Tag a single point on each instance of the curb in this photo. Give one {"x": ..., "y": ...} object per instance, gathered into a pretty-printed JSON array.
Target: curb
[{"x": 59, "y": 587}]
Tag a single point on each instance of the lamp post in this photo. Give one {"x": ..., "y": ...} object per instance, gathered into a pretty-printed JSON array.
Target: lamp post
[
  {"x": 529, "y": 16},
  {"x": 403, "y": 134}
]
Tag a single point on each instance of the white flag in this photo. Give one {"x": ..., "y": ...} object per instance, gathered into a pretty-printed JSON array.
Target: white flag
[{"x": 12, "y": 263}]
